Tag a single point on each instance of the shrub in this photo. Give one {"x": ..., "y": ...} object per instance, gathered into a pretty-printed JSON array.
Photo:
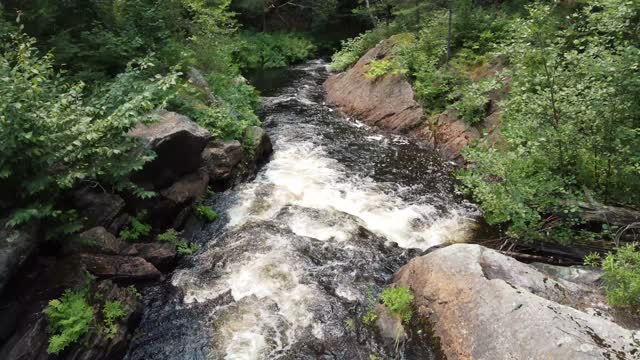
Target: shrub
[
  {"x": 398, "y": 301},
  {"x": 378, "y": 68},
  {"x": 473, "y": 100},
  {"x": 272, "y": 50},
  {"x": 205, "y": 212},
  {"x": 52, "y": 136},
  {"x": 69, "y": 318},
  {"x": 353, "y": 49},
  {"x": 622, "y": 276},
  {"x": 112, "y": 311}
]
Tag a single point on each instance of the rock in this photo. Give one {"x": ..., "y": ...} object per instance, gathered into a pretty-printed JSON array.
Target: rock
[
  {"x": 386, "y": 102},
  {"x": 162, "y": 210},
  {"x": 161, "y": 255},
  {"x": 96, "y": 240},
  {"x": 390, "y": 326},
  {"x": 16, "y": 246},
  {"x": 258, "y": 138},
  {"x": 221, "y": 157},
  {"x": 178, "y": 143},
  {"x": 31, "y": 345},
  {"x": 484, "y": 305},
  {"x": 449, "y": 134},
  {"x": 189, "y": 189},
  {"x": 99, "y": 208},
  {"x": 119, "y": 268},
  {"x": 576, "y": 274}
]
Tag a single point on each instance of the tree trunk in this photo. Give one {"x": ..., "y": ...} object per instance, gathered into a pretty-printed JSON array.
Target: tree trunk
[
  {"x": 449, "y": 33},
  {"x": 612, "y": 215}
]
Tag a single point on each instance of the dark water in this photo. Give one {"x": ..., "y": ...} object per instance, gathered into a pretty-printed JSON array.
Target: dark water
[{"x": 302, "y": 251}]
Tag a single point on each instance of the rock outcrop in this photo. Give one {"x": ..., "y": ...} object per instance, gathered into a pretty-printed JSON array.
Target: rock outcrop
[
  {"x": 96, "y": 240},
  {"x": 177, "y": 142},
  {"x": 16, "y": 245},
  {"x": 386, "y": 102},
  {"x": 126, "y": 269},
  {"x": 484, "y": 305}
]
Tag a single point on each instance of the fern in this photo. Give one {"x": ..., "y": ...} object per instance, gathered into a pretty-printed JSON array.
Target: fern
[
  {"x": 112, "y": 311},
  {"x": 69, "y": 318}
]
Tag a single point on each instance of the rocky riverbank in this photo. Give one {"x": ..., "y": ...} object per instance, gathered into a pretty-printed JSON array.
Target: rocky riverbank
[{"x": 33, "y": 271}]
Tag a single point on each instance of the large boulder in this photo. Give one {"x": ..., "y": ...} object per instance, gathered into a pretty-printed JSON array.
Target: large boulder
[
  {"x": 386, "y": 102},
  {"x": 220, "y": 158},
  {"x": 98, "y": 207},
  {"x": 119, "y": 268},
  {"x": 95, "y": 240},
  {"x": 16, "y": 245},
  {"x": 257, "y": 138},
  {"x": 178, "y": 143},
  {"x": 484, "y": 305},
  {"x": 161, "y": 255}
]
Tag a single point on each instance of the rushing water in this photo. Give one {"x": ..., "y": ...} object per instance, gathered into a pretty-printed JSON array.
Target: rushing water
[{"x": 301, "y": 251}]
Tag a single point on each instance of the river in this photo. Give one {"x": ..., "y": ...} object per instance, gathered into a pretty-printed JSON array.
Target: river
[{"x": 301, "y": 252}]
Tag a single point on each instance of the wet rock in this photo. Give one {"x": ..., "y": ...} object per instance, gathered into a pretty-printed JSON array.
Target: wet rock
[
  {"x": 16, "y": 245},
  {"x": 119, "y": 268},
  {"x": 257, "y": 138},
  {"x": 32, "y": 345},
  {"x": 386, "y": 102},
  {"x": 390, "y": 326},
  {"x": 99, "y": 208},
  {"x": 178, "y": 143},
  {"x": 576, "y": 274},
  {"x": 162, "y": 256},
  {"x": 164, "y": 210},
  {"x": 96, "y": 240},
  {"x": 484, "y": 305},
  {"x": 221, "y": 157}
]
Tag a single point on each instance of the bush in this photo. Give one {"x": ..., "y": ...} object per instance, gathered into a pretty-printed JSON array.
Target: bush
[
  {"x": 473, "y": 100},
  {"x": 52, "y": 136},
  {"x": 182, "y": 247},
  {"x": 398, "y": 301},
  {"x": 353, "y": 49},
  {"x": 272, "y": 50},
  {"x": 622, "y": 276},
  {"x": 69, "y": 318}
]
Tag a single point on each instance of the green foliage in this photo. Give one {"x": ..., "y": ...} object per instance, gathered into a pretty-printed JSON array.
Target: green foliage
[
  {"x": 378, "y": 68},
  {"x": 353, "y": 49},
  {"x": 69, "y": 318},
  {"x": 272, "y": 50},
  {"x": 205, "y": 212},
  {"x": 137, "y": 228},
  {"x": 186, "y": 248},
  {"x": 170, "y": 236},
  {"x": 592, "y": 259},
  {"x": 53, "y": 136},
  {"x": 473, "y": 100},
  {"x": 182, "y": 247},
  {"x": 622, "y": 276},
  {"x": 398, "y": 301},
  {"x": 112, "y": 311},
  {"x": 369, "y": 319}
]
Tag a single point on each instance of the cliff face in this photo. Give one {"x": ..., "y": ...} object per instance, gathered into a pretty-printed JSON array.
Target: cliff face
[{"x": 387, "y": 102}]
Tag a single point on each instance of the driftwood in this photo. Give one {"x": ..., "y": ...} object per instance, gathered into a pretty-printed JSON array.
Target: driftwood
[{"x": 613, "y": 215}]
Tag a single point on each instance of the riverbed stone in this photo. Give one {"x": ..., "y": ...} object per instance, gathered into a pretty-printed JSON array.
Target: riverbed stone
[
  {"x": 484, "y": 305},
  {"x": 119, "y": 268},
  {"x": 257, "y": 138},
  {"x": 95, "y": 240},
  {"x": 161, "y": 255},
  {"x": 178, "y": 142},
  {"x": 221, "y": 157}
]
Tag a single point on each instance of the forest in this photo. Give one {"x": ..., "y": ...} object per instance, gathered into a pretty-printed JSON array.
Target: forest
[{"x": 549, "y": 90}]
